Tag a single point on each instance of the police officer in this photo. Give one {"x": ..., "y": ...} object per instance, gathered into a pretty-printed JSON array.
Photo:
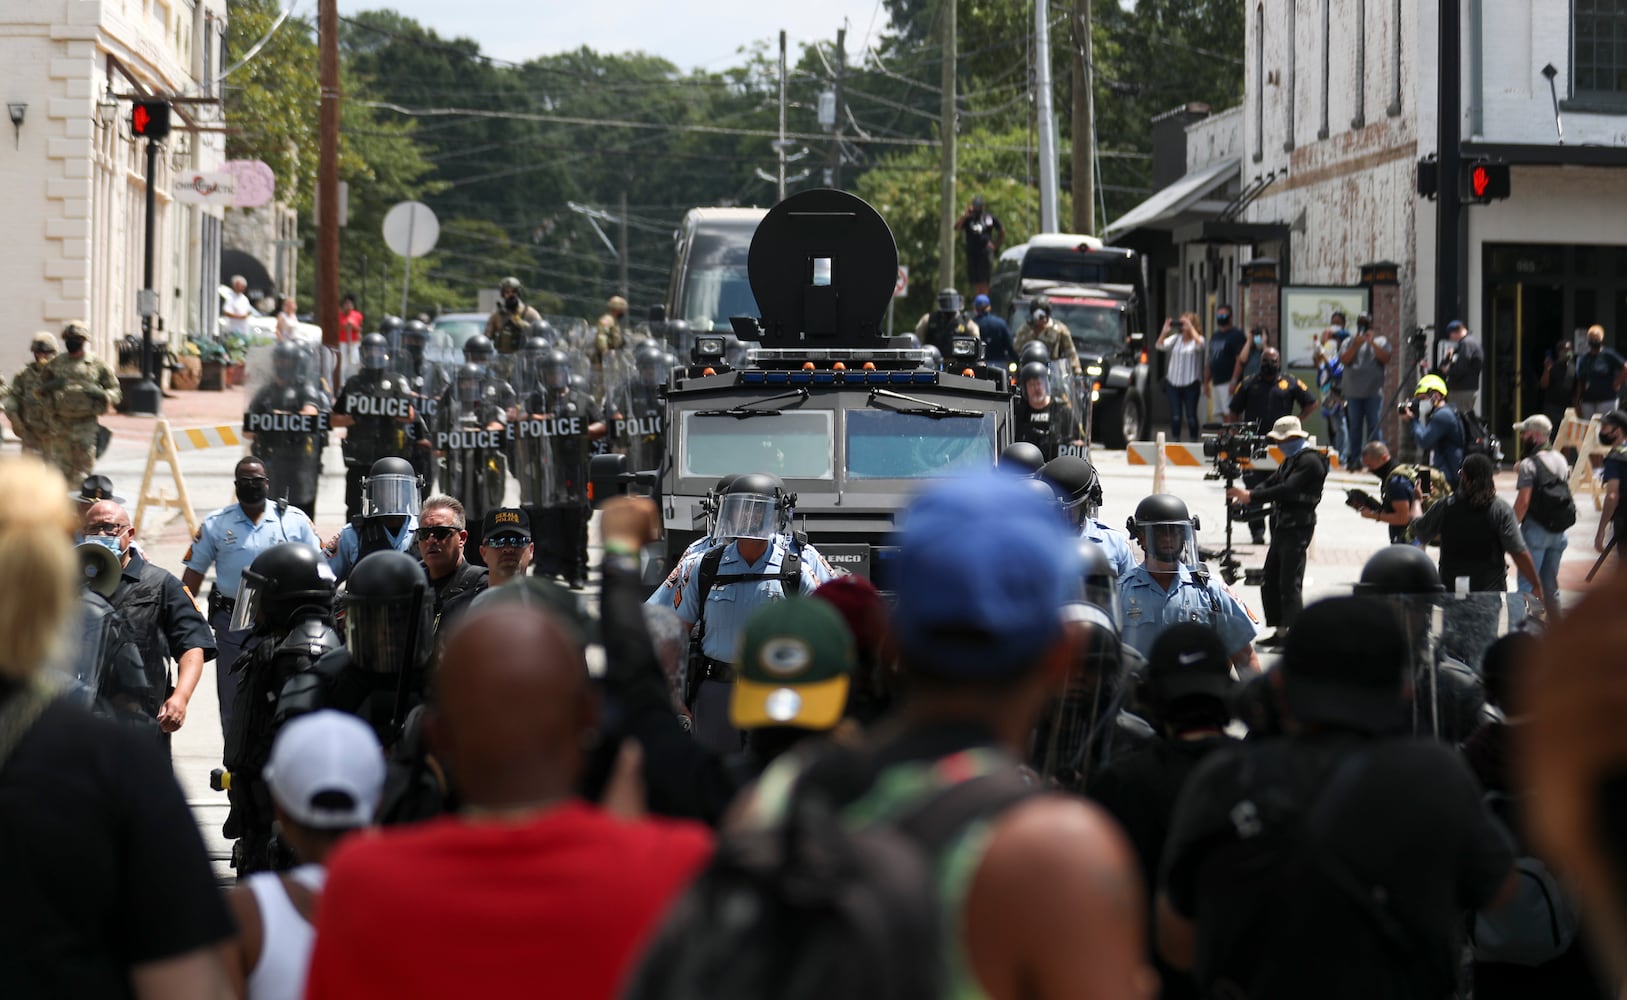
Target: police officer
[
  {"x": 387, "y": 522},
  {"x": 685, "y": 566},
  {"x": 506, "y": 326},
  {"x": 291, "y": 450},
  {"x": 286, "y": 598},
  {"x": 1171, "y": 585},
  {"x": 945, "y": 323},
  {"x": 164, "y": 620},
  {"x": 76, "y": 389},
  {"x": 24, "y": 407},
  {"x": 1295, "y": 487},
  {"x": 1079, "y": 489},
  {"x": 755, "y": 561},
  {"x": 230, "y": 539},
  {"x": 1053, "y": 333},
  {"x": 566, "y": 422},
  {"x": 376, "y": 404},
  {"x": 470, "y": 438},
  {"x": 1020, "y": 458},
  {"x": 1260, "y": 400},
  {"x": 637, "y": 412},
  {"x": 1042, "y": 419},
  {"x": 426, "y": 381}
]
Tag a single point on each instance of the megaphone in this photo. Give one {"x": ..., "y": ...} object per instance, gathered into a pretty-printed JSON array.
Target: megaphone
[{"x": 100, "y": 568}]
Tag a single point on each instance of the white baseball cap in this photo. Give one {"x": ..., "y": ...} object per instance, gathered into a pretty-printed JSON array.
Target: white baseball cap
[{"x": 327, "y": 771}]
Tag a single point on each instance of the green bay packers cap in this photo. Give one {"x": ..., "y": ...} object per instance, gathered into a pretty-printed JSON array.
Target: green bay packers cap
[{"x": 796, "y": 659}]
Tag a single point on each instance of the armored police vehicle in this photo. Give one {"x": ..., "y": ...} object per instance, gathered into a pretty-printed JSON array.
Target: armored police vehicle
[
  {"x": 824, "y": 400},
  {"x": 1100, "y": 293}
]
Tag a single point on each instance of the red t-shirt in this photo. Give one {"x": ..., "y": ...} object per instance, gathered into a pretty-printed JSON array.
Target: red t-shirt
[
  {"x": 350, "y": 326},
  {"x": 452, "y": 908}
]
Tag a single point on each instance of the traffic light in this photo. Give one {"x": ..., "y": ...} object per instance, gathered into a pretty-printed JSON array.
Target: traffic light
[
  {"x": 149, "y": 119},
  {"x": 1487, "y": 181},
  {"x": 1428, "y": 177}
]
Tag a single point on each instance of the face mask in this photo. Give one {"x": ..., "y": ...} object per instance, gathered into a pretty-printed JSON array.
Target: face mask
[
  {"x": 107, "y": 542},
  {"x": 1592, "y": 345},
  {"x": 1292, "y": 446},
  {"x": 1424, "y": 408},
  {"x": 1270, "y": 368},
  {"x": 252, "y": 492},
  {"x": 1223, "y": 319},
  {"x": 74, "y": 344}
]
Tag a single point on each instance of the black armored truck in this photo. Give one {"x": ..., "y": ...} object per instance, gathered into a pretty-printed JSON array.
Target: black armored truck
[{"x": 852, "y": 421}]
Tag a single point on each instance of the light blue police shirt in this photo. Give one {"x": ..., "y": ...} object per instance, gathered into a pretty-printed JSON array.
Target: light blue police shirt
[
  {"x": 230, "y": 541},
  {"x": 1115, "y": 545},
  {"x": 348, "y": 547},
  {"x": 728, "y": 606},
  {"x": 1149, "y": 609}
]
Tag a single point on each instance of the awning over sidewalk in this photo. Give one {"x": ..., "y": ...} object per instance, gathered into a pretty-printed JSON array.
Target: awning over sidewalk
[{"x": 1181, "y": 201}]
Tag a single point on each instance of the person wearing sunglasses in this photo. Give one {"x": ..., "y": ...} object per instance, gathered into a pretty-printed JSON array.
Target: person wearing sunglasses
[
  {"x": 442, "y": 535},
  {"x": 229, "y": 540}
]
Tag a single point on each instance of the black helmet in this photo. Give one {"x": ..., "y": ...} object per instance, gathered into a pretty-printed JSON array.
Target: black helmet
[
  {"x": 537, "y": 348},
  {"x": 1399, "y": 569},
  {"x": 415, "y": 331},
  {"x": 540, "y": 328},
  {"x": 388, "y": 613},
  {"x": 949, "y": 301},
  {"x": 391, "y": 325},
  {"x": 391, "y": 489},
  {"x": 1159, "y": 508},
  {"x": 469, "y": 381},
  {"x": 713, "y": 495},
  {"x": 1460, "y": 700},
  {"x": 556, "y": 370},
  {"x": 478, "y": 349},
  {"x": 908, "y": 341},
  {"x": 286, "y": 583},
  {"x": 511, "y": 285},
  {"x": 1031, "y": 371},
  {"x": 1165, "y": 511},
  {"x": 1077, "y": 483},
  {"x": 1100, "y": 584},
  {"x": 754, "y": 505},
  {"x": 651, "y": 363},
  {"x": 933, "y": 356},
  {"x": 1034, "y": 352},
  {"x": 1022, "y": 458},
  {"x": 375, "y": 352},
  {"x": 287, "y": 359}
]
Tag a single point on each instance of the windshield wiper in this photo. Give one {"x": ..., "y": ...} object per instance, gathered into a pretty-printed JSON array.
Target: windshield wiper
[
  {"x": 926, "y": 407},
  {"x": 741, "y": 412}
]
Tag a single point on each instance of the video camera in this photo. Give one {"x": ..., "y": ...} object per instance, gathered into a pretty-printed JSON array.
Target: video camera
[{"x": 1231, "y": 448}]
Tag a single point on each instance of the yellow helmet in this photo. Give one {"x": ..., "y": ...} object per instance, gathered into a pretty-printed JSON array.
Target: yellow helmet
[{"x": 1430, "y": 383}]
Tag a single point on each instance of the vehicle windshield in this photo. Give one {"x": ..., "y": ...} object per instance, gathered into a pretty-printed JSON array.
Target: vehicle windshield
[
  {"x": 792, "y": 445},
  {"x": 459, "y": 330},
  {"x": 715, "y": 283},
  {"x": 1097, "y": 325},
  {"x": 1074, "y": 267},
  {"x": 887, "y": 445}
]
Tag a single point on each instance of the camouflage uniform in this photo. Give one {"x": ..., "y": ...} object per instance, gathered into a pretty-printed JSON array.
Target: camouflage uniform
[
  {"x": 1056, "y": 338},
  {"x": 609, "y": 337},
  {"x": 507, "y": 330},
  {"x": 23, "y": 407},
  {"x": 74, "y": 392}
]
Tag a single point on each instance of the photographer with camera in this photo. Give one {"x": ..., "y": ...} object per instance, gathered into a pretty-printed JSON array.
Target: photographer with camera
[
  {"x": 1435, "y": 425},
  {"x": 1295, "y": 487},
  {"x": 509, "y": 323},
  {"x": 1260, "y": 401},
  {"x": 1364, "y": 356}
]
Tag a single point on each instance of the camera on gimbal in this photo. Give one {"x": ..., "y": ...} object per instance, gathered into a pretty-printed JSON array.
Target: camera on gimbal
[{"x": 1231, "y": 448}]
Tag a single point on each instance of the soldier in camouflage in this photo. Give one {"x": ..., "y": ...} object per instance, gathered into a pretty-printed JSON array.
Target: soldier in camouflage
[
  {"x": 77, "y": 388},
  {"x": 1054, "y": 334},
  {"x": 23, "y": 406}
]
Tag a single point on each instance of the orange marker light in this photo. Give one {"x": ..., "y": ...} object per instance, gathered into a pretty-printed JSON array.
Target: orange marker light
[
  {"x": 869, "y": 366},
  {"x": 807, "y": 366},
  {"x": 838, "y": 367},
  {"x": 708, "y": 371}
]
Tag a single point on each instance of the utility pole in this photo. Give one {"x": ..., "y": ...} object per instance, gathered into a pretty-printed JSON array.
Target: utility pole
[
  {"x": 1449, "y": 155},
  {"x": 946, "y": 127},
  {"x": 327, "y": 176},
  {"x": 1084, "y": 122},
  {"x": 145, "y": 398},
  {"x": 1046, "y": 110},
  {"x": 836, "y": 137},
  {"x": 626, "y": 291},
  {"x": 779, "y": 147}
]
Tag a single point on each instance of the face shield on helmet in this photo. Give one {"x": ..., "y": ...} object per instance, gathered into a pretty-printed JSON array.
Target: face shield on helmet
[
  {"x": 1167, "y": 544},
  {"x": 556, "y": 371},
  {"x": 388, "y": 634},
  {"x": 750, "y": 515},
  {"x": 388, "y": 495},
  {"x": 251, "y": 594},
  {"x": 1067, "y": 742},
  {"x": 375, "y": 352}
]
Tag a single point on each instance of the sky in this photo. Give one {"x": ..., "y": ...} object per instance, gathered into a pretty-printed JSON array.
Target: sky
[{"x": 693, "y": 34}]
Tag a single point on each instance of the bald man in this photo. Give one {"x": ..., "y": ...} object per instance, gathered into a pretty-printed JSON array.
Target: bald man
[
  {"x": 163, "y": 618},
  {"x": 514, "y": 723}
]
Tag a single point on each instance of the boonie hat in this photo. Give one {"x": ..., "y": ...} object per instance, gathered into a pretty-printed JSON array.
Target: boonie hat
[
  {"x": 1287, "y": 427},
  {"x": 1535, "y": 422},
  {"x": 1188, "y": 658},
  {"x": 983, "y": 610},
  {"x": 96, "y": 488},
  {"x": 795, "y": 664},
  {"x": 506, "y": 521},
  {"x": 1353, "y": 684},
  {"x": 327, "y": 770}
]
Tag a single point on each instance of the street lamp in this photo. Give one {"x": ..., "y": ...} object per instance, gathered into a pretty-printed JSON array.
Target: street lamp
[
  {"x": 107, "y": 110},
  {"x": 18, "y": 109}
]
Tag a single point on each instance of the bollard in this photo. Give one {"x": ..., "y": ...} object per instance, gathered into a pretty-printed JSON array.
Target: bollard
[{"x": 1159, "y": 464}]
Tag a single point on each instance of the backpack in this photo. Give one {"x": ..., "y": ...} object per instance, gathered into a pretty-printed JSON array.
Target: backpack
[
  {"x": 1552, "y": 505},
  {"x": 1538, "y": 924},
  {"x": 1477, "y": 438},
  {"x": 810, "y": 908},
  {"x": 1439, "y": 488}
]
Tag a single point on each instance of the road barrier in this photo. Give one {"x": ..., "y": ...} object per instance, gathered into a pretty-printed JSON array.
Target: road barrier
[
  {"x": 167, "y": 446},
  {"x": 1583, "y": 435}
]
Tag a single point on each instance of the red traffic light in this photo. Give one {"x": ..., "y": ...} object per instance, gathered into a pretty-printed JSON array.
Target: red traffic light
[
  {"x": 1488, "y": 181},
  {"x": 149, "y": 119},
  {"x": 1479, "y": 180}
]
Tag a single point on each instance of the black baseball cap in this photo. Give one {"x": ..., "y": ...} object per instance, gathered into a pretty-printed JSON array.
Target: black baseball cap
[
  {"x": 96, "y": 488},
  {"x": 1356, "y": 685},
  {"x": 1188, "y": 658},
  {"x": 506, "y": 521}
]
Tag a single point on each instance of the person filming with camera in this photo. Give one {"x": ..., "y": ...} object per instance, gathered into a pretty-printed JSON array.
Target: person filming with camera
[
  {"x": 1295, "y": 487},
  {"x": 1435, "y": 425},
  {"x": 1260, "y": 401}
]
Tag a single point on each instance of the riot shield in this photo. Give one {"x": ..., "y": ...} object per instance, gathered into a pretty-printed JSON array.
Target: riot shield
[
  {"x": 470, "y": 441},
  {"x": 635, "y": 412},
  {"x": 426, "y": 380},
  {"x": 572, "y": 334},
  {"x": 1088, "y": 724},
  {"x": 1072, "y": 390},
  {"x": 552, "y": 441},
  {"x": 1448, "y": 635},
  {"x": 287, "y": 418}
]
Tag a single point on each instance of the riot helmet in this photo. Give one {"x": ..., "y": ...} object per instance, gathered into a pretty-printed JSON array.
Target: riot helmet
[
  {"x": 469, "y": 381},
  {"x": 286, "y": 361},
  {"x": 285, "y": 584},
  {"x": 710, "y": 502},
  {"x": 949, "y": 301},
  {"x": 556, "y": 371},
  {"x": 1034, "y": 371},
  {"x": 375, "y": 352},
  {"x": 478, "y": 349},
  {"x": 1399, "y": 569},
  {"x": 1034, "y": 352},
  {"x": 651, "y": 364},
  {"x": 540, "y": 329},
  {"x": 932, "y": 357},
  {"x": 908, "y": 341},
  {"x": 391, "y": 489},
  {"x": 1100, "y": 585},
  {"x": 578, "y": 383},
  {"x": 389, "y": 609},
  {"x": 414, "y": 335},
  {"x": 1166, "y": 532},
  {"x": 1077, "y": 485},
  {"x": 755, "y": 505},
  {"x": 1070, "y": 734},
  {"x": 390, "y": 327},
  {"x": 1021, "y": 458}
]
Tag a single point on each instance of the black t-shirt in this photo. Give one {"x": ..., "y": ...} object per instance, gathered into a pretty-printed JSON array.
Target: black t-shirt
[
  {"x": 1224, "y": 347},
  {"x": 101, "y": 861},
  {"x": 1263, "y": 399},
  {"x": 1405, "y": 824}
]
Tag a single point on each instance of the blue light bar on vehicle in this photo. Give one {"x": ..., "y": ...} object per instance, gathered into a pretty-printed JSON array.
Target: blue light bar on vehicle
[{"x": 752, "y": 378}]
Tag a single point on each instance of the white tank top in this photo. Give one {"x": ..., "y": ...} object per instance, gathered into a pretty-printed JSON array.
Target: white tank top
[{"x": 285, "y": 936}]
